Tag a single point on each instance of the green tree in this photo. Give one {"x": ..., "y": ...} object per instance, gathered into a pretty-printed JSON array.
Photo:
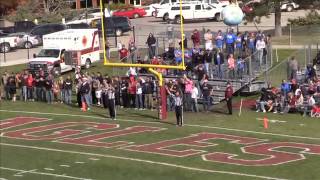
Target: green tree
[{"x": 265, "y": 7}]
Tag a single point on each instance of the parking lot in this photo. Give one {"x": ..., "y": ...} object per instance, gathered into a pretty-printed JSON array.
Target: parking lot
[{"x": 143, "y": 26}]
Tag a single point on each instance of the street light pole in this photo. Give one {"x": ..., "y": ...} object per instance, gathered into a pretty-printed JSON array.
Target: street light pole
[{"x": 87, "y": 11}]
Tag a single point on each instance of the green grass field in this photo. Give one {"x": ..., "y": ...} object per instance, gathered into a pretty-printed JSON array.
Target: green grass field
[
  {"x": 38, "y": 152},
  {"x": 47, "y": 159}
]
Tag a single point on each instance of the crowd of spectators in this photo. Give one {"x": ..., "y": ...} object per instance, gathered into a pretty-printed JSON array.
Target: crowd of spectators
[
  {"x": 293, "y": 96},
  {"x": 219, "y": 55},
  {"x": 204, "y": 61}
]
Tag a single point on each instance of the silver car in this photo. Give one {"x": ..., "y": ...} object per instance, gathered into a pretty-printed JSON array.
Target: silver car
[{"x": 25, "y": 40}]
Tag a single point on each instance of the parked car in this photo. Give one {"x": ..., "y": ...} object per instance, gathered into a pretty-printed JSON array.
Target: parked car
[
  {"x": 130, "y": 12},
  {"x": 284, "y": 6},
  {"x": 78, "y": 26},
  {"x": 150, "y": 11},
  {"x": 289, "y": 6},
  {"x": 7, "y": 44},
  {"x": 114, "y": 25},
  {"x": 248, "y": 7},
  {"x": 19, "y": 26},
  {"x": 2, "y": 33},
  {"x": 25, "y": 40},
  {"x": 47, "y": 29},
  {"x": 83, "y": 19},
  {"x": 194, "y": 12}
]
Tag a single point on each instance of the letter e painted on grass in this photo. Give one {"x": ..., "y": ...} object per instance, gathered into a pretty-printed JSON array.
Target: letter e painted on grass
[
  {"x": 270, "y": 152},
  {"x": 195, "y": 140}
]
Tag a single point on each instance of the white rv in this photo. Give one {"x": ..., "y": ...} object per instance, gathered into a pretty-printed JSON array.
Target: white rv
[{"x": 64, "y": 50}]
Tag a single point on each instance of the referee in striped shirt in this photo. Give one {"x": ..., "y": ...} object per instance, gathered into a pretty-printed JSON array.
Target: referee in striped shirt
[{"x": 178, "y": 103}]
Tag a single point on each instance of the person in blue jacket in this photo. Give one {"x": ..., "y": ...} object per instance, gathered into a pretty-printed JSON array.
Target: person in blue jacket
[
  {"x": 285, "y": 88},
  {"x": 230, "y": 40}
]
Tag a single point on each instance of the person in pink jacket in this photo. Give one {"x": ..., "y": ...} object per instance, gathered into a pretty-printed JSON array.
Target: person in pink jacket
[{"x": 231, "y": 66}]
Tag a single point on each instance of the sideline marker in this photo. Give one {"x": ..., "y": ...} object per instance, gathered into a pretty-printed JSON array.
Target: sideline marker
[{"x": 265, "y": 123}]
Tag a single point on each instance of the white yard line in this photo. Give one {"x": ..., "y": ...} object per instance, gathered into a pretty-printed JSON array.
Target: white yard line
[
  {"x": 63, "y": 165},
  {"x": 140, "y": 160},
  {"x": 20, "y": 171},
  {"x": 48, "y": 169},
  {"x": 24, "y": 172},
  {"x": 154, "y": 122}
]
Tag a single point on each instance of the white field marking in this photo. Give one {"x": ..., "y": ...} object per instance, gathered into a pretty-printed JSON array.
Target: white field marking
[
  {"x": 243, "y": 149},
  {"x": 155, "y": 122},
  {"x": 203, "y": 141},
  {"x": 145, "y": 161},
  {"x": 48, "y": 169},
  {"x": 3, "y": 179},
  {"x": 64, "y": 165},
  {"x": 271, "y": 120},
  {"x": 94, "y": 159},
  {"x": 24, "y": 172},
  {"x": 79, "y": 162},
  {"x": 46, "y": 174}
]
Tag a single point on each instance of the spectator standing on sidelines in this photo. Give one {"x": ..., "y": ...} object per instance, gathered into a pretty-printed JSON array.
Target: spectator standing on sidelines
[
  {"x": 219, "y": 40},
  {"x": 49, "y": 89},
  {"x": 231, "y": 66},
  {"x": 123, "y": 52},
  {"x": 228, "y": 97},
  {"x": 132, "y": 50},
  {"x": 111, "y": 101},
  {"x": 293, "y": 65},
  {"x": 206, "y": 92},
  {"x": 151, "y": 42},
  {"x": 260, "y": 46},
  {"x": 62, "y": 90},
  {"x": 230, "y": 39},
  {"x": 67, "y": 86},
  {"x": 208, "y": 39},
  {"x": 219, "y": 61},
  {"x": 85, "y": 93},
  {"x": 178, "y": 103},
  {"x": 194, "y": 96},
  {"x": 30, "y": 84},
  {"x": 24, "y": 90},
  {"x": 195, "y": 38}
]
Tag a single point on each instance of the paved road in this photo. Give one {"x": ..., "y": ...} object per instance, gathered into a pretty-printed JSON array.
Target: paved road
[{"x": 143, "y": 26}]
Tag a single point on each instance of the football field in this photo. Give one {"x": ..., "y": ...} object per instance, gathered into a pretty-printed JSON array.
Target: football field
[{"x": 40, "y": 141}]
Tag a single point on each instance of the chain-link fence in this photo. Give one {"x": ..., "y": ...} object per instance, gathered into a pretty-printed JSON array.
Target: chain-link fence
[
  {"x": 281, "y": 70},
  {"x": 299, "y": 35}
]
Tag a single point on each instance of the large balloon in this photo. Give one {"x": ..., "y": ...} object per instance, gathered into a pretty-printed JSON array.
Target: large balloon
[{"x": 232, "y": 15}]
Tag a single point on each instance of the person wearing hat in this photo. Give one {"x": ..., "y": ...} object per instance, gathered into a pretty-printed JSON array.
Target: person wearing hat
[{"x": 228, "y": 97}]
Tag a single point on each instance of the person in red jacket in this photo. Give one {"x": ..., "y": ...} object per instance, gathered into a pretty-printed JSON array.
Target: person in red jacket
[
  {"x": 30, "y": 84},
  {"x": 123, "y": 54},
  {"x": 195, "y": 38},
  {"x": 228, "y": 97}
]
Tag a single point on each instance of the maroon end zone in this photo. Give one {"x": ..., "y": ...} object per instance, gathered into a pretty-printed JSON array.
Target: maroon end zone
[{"x": 267, "y": 153}]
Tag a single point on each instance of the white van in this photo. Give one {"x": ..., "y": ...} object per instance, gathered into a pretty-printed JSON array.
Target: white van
[{"x": 64, "y": 50}]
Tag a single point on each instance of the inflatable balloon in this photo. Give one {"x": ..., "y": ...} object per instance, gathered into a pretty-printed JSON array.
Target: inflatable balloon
[{"x": 232, "y": 15}]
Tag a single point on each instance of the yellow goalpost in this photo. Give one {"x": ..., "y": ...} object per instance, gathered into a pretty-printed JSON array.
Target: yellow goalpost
[{"x": 150, "y": 66}]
